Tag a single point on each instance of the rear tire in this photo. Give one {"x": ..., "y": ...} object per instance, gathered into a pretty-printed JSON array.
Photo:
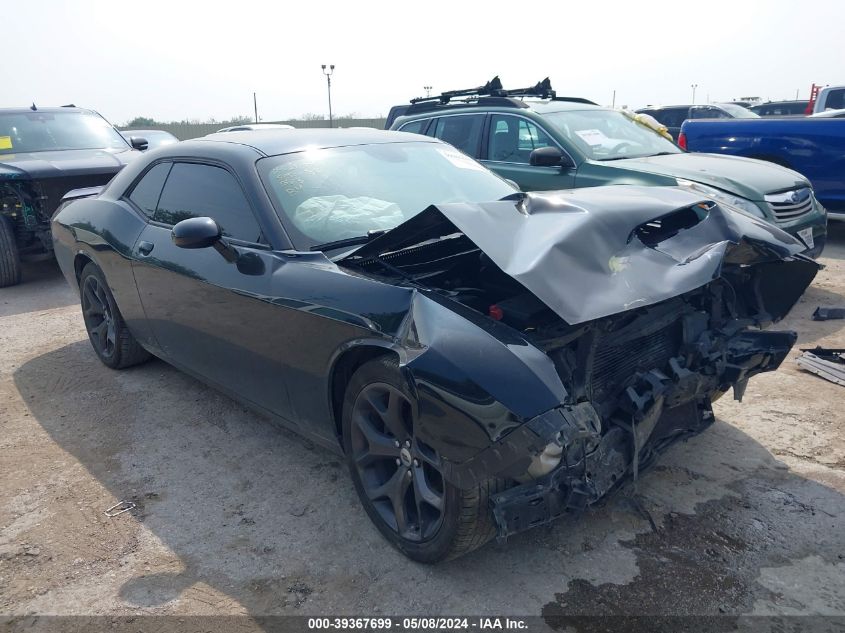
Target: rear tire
[
  {"x": 420, "y": 513},
  {"x": 109, "y": 336},
  {"x": 10, "y": 263}
]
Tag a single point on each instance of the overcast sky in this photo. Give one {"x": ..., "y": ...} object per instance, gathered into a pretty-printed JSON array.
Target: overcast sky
[{"x": 179, "y": 59}]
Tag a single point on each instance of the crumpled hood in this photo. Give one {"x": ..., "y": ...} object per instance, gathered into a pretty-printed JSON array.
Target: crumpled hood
[
  {"x": 57, "y": 164},
  {"x": 579, "y": 251},
  {"x": 745, "y": 177}
]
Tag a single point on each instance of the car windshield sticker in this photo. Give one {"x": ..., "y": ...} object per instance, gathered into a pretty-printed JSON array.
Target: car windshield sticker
[
  {"x": 459, "y": 159},
  {"x": 592, "y": 137},
  {"x": 5, "y": 142}
]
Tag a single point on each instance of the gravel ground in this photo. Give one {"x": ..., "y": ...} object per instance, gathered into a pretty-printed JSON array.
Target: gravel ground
[{"x": 237, "y": 516}]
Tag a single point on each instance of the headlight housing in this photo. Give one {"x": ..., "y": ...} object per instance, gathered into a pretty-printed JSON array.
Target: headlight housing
[{"x": 722, "y": 197}]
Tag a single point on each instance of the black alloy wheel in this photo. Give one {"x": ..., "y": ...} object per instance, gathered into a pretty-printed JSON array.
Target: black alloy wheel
[
  {"x": 399, "y": 473},
  {"x": 399, "y": 478},
  {"x": 109, "y": 336},
  {"x": 99, "y": 320}
]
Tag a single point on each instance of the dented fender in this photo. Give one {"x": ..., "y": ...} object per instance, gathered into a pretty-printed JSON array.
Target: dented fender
[{"x": 476, "y": 380}]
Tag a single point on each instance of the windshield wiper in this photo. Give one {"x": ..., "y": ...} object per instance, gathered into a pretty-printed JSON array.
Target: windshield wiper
[
  {"x": 349, "y": 241},
  {"x": 604, "y": 160}
]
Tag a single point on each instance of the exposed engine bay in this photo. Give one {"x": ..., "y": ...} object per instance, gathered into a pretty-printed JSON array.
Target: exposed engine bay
[
  {"x": 30, "y": 204},
  {"x": 22, "y": 202},
  {"x": 638, "y": 379}
]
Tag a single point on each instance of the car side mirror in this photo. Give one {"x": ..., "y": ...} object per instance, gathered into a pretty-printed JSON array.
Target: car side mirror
[
  {"x": 548, "y": 157},
  {"x": 139, "y": 143},
  {"x": 202, "y": 233},
  {"x": 196, "y": 233}
]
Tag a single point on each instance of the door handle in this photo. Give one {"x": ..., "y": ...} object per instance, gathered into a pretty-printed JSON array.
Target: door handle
[{"x": 145, "y": 248}]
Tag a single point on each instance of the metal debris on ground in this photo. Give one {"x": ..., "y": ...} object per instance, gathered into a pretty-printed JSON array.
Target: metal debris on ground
[
  {"x": 119, "y": 508},
  {"x": 828, "y": 314},
  {"x": 828, "y": 363}
]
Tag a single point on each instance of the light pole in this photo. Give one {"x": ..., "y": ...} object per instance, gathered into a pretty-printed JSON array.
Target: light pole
[
  {"x": 693, "y": 86},
  {"x": 427, "y": 90},
  {"x": 328, "y": 74}
]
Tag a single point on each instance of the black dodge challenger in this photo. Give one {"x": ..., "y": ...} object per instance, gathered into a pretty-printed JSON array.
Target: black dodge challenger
[{"x": 487, "y": 360}]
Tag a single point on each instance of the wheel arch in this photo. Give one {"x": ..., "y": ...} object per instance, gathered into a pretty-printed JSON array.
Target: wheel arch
[
  {"x": 346, "y": 364},
  {"x": 80, "y": 261}
]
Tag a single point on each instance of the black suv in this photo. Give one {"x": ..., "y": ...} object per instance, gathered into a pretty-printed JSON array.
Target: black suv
[
  {"x": 673, "y": 117},
  {"x": 44, "y": 153}
]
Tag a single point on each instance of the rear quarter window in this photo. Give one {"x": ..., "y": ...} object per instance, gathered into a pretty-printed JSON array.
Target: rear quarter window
[
  {"x": 146, "y": 192},
  {"x": 415, "y": 127}
]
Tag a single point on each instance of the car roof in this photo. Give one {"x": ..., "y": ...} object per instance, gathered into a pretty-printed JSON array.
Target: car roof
[
  {"x": 274, "y": 142},
  {"x": 664, "y": 107},
  {"x": 256, "y": 126},
  {"x": 559, "y": 105},
  {"x": 47, "y": 110}
]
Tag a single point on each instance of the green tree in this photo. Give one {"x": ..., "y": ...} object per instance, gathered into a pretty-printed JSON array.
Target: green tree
[{"x": 141, "y": 121}]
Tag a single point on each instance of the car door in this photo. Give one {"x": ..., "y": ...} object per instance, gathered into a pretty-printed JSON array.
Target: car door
[
  {"x": 462, "y": 131},
  {"x": 510, "y": 141},
  {"x": 208, "y": 314}
]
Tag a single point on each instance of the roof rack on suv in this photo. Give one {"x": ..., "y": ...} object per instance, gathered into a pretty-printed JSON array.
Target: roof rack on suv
[{"x": 490, "y": 94}]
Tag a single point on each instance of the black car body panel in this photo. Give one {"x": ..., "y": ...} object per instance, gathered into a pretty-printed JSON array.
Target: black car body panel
[{"x": 518, "y": 324}]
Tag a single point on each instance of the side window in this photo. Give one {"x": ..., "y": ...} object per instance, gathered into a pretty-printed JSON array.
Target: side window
[
  {"x": 146, "y": 192},
  {"x": 708, "y": 112},
  {"x": 675, "y": 117},
  {"x": 464, "y": 132},
  {"x": 670, "y": 117},
  {"x": 415, "y": 127},
  {"x": 512, "y": 139},
  {"x": 194, "y": 190},
  {"x": 835, "y": 100}
]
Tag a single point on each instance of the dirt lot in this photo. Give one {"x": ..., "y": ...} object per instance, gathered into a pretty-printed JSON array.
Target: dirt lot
[{"x": 237, "y": 516}]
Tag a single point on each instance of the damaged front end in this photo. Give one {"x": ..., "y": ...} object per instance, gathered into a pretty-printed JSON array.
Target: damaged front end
[
  {"x": 636, "y": 390},
  {"x": 22, "y": 202},
  {"x": 649, "y": 303}
]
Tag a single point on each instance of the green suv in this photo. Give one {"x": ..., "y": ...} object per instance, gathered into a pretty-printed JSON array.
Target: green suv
[{"x": 544, "y": 142}]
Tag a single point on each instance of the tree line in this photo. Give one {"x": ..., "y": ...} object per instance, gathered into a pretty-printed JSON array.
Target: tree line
[{"x": 143, "y": 121}]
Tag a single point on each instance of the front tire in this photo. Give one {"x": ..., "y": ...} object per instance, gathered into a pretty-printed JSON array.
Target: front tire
[
  {"x": 10, "y": 263},
  {"x": 111, "y": 339},
  {"x": 398, "y": 477}
]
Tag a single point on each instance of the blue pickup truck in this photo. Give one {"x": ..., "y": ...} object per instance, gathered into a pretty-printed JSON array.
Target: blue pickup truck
[{"x": 814, "y": 147}]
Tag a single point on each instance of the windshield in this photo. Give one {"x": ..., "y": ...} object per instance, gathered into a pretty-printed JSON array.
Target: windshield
[
  {"x": 609, "y": 135},
  {"x": 738, "y": 112},
  {"x": 325, "y": 195},
  {"x": 47, "y": 131}
]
